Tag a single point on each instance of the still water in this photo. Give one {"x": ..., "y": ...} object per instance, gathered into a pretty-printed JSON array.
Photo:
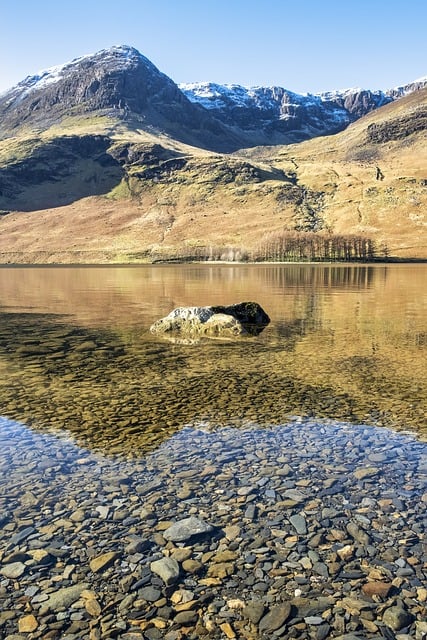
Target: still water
[
  {"x": 300, "y": 454},
  {"x": 76, "y": 355}
]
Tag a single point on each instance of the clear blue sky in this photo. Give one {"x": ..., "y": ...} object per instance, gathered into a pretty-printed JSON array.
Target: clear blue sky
[{"x": 302, "y": 45}]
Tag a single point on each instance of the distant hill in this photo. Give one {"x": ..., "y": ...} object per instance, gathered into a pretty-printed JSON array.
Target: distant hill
[{"x": 106, "y": 159}]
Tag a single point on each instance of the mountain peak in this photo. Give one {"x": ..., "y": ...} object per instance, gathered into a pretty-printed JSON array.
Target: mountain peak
[
  {"x": 121, "y": 83},
  {"x": 116, "y": 56}
]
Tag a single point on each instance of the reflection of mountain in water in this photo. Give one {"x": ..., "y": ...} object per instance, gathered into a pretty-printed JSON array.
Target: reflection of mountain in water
[
  {"x": 121, "y": 391},
  {"x": 126, "y": 296}
]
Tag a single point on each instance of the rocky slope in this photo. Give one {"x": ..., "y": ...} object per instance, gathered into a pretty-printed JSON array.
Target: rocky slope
[
  {"x": 273, "y": 115},
  {"x": 98, "y": 175},
  {"x": 121, "y": 83}
]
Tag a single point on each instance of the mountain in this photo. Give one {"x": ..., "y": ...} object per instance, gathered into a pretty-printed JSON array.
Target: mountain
[
  {"x": 274, "y": 115},
  {"x": 121, "y": 84},
  {"x": 118, "y": 83},
  {"x": 106, "y": 159}
]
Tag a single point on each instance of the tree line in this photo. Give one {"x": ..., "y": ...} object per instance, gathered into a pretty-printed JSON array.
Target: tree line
[
  {"x": 300, "y": 246},
  {"x": 291, "y": 246}
]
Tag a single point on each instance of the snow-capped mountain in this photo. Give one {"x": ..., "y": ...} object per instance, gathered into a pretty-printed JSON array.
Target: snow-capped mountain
[
  {"x": 119, "y": 83},
  {"x": 278, "y": 109},
  {"x": 122, "y": 83}
]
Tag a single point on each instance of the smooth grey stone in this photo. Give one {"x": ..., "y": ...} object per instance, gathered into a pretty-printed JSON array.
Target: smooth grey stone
[
  {"x": 250, "y": 512},
  {"x": 294, "y": 494},
  {"x": 358, "y": 534},
  {"x": 323, "y": 631},
  {"x": 150, "y": 593},
  {"x": 64, "y": 597},
  {"x": 299, "y": 523},
  {"x": 186, "y": 528},
  {"x": 254, "y": 611},
  {"x": 167, "y": 569},
  {"x": 185, "y": 617},
  {"x": 153, "y": 634},
  {"x": 16, "y": 538},
  {"x": 307, "y": 607},
  {"x": 314, "y": 620}
]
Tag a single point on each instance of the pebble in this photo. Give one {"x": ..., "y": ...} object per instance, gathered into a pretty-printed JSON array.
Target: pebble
[
  {"x": 381, "y": 589},
  {"x": 103, "y": 561},
  {"x": 13, "y": 570},
  {"x": 397, "y": 618},
  {"x": 186, "y": 529},
  {"x": 27, "y": 624},
  {"x": 167, "y": 569},
  {"x": 299, "y": 523},
  {"x": 275, "y": 618},
  {"x": 151, "y": 594},
  {"x": 248, "y": 532},
  {"x": 63, "y": 598},
  {"x": 254, "y": 611}
]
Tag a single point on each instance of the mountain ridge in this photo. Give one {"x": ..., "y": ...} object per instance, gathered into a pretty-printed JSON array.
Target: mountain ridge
[
  {"x": 87, "y": 178},
  {"x": 121, "y": 82}
]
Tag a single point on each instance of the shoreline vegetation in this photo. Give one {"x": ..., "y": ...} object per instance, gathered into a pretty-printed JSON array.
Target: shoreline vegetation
[{"x": 291, "y": 247}]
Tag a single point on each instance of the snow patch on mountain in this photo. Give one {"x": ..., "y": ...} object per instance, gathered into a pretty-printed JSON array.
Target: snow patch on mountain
[{"x": 116, "y": 57}]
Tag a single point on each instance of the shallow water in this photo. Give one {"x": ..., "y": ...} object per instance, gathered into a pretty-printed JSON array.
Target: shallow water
[
  {"x": 302, "y": 449},
  {"x": 76, "y": 354},
  {"x": 308, "y": 515}
]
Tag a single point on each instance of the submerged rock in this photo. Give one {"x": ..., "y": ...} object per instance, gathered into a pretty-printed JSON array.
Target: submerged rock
[
  {"x": 186, "y": 528},
  {"x": 167, "y": 569},
  {"x": 244, "y": 318}
]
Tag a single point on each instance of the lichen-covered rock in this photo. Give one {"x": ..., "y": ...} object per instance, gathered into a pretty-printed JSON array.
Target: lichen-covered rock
[{"x": 244, "y": 318}]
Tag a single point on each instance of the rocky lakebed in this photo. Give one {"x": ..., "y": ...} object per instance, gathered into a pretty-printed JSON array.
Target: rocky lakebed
[{"x": 311, "y": 529}]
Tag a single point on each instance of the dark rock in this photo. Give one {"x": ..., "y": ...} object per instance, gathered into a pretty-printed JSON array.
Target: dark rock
[
  {"x": 244, "y": 318},
  {"x": 397, "y": 618},
  {"x": 323, "y": 631},
  {"x": 254, "y": 611},
  {"x": 150, "y": 593},
  {"x": 275, "y": 618},
  {"x": 185, "y": 617}
]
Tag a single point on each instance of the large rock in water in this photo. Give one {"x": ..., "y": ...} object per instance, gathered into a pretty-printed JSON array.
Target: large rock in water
[{"x": 244, "y": 318}]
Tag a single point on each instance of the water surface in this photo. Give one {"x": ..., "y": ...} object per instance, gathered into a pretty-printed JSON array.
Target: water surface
[{"x": 76, "y": 355}]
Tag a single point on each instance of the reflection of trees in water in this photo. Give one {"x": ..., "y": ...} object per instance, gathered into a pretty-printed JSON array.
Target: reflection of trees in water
[{"x": 331, "y": 276}]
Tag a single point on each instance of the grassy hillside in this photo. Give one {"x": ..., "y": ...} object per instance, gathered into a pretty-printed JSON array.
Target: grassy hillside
[{"x": 96, "y": 190}]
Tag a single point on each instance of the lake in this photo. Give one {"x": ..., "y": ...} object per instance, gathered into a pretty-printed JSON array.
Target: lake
[{"x": 302, "y": 451}]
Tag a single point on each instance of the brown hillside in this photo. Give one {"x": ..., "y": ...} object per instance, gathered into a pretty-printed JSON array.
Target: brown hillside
[{"x": 139, "y": 197}]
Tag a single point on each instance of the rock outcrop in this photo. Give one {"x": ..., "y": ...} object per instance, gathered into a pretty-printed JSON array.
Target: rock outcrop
[{"x": 244, "y": 318}]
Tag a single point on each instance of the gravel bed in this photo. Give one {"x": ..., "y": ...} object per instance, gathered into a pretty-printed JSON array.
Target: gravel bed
[{"x": 311, "y": 529}]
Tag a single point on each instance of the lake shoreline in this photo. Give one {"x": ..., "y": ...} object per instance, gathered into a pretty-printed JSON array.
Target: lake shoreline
[
  {"x": 177, "y": 262},
  {"x": 216, "y": 534}
]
